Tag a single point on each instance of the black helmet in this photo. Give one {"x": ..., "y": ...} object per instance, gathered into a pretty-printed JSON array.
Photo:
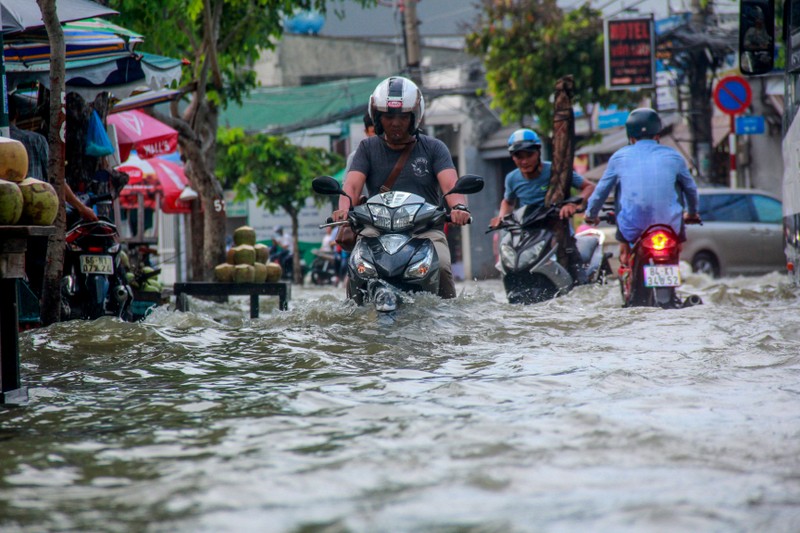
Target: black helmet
[{"x": 643, "y": 122}]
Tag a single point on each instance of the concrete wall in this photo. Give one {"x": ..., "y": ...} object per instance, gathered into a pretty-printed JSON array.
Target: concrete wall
[{"x": 303, "y": 59}]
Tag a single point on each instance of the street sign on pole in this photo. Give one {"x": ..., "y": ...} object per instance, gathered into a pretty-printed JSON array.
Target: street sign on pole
[
  {"x": 750, "y": 125},
  {"x": 733, "y": 95}
]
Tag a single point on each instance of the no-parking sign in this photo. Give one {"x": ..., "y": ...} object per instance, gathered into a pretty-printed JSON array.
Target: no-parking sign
[{"x": 733, "y": 95}]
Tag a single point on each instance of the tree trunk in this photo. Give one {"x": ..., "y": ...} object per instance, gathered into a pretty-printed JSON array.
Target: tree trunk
[
  {"x": 563, "y": 155},
  {"x": 297, "y": 271},
  {"x": 51, "y": 290},
  {"x": 198, "y": 147}
]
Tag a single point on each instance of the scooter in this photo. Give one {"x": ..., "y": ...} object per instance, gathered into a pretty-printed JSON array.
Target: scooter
[
  {"x": 529, "y": 255},
  {"x": 94, "y": 282},
  {"x": 654, "y": 275},
  {"x": 324, "y": 268},
  {"x": 384, "y": 268}
]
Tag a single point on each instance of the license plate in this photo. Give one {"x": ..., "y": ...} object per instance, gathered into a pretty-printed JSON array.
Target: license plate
[
  {"x": 97, "y": 264},
  {"x": 662, "y": 276}
]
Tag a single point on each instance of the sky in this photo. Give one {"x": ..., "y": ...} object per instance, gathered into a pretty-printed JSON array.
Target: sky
[{"x": 451, "y": 17}]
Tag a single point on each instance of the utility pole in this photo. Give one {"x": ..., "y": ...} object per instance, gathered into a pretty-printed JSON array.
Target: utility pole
[
  {"x": 411, "y": 38},
  {"x": 700, "y": 88}
]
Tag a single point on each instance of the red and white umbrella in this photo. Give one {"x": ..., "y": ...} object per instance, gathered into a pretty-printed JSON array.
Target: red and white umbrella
[
  {"x": 139, "y": 131},
  {"x": 151, "y": 176}
]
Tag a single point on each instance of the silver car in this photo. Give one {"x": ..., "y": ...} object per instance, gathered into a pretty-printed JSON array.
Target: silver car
[{"x": 742, "y": 233}]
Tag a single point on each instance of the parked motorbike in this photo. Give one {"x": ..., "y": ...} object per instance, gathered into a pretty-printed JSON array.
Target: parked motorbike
[
  {"x": 324, "y": 268},
  {"x": 528, "y": 255},
  {"x": 382, "y": 269},
  {"x": 654, "y": 274},
  {"x": 93, "y": 283}
]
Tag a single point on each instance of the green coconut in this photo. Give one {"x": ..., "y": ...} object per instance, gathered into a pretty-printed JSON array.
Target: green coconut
[
  {"x": 244, "y": 254},
  {"x": 13, "y": 160},
  {"x": 11, "y": 202},
  {"x": 244, "y": 273},
  {"x": 274, "y": 272},
  {"x": 262, "y": 252},
  {"x": 244, "y": 235},
  {"x": 229, "y": 256},
  {"x": 41, "y": 202},
  {"x": 261, "y": 272},
  {"x": 224, "y": 272}
]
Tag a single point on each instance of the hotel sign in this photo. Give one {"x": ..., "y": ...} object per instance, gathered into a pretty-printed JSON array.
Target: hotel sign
[{"x": 630, "y": 53}]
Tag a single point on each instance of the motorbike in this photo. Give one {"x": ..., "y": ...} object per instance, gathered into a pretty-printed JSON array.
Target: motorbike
[
  {"x": 324, "y": 268},
  {"x": 528, "y": 255},
  {"x": 385, "y": 268},
  {"x": 94, "y": 282},
  {"x": 654, "y": 274}
]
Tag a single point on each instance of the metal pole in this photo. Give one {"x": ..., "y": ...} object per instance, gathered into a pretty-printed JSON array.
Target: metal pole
[
  {"x": 5, "y": 130},
  {"x": 732, "y": 179}
]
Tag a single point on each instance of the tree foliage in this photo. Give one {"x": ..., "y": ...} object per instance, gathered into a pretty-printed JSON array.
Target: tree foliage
[
  {"x": 220, "y": 39},
  {"x": 275, "y": 172},
  {"x": 528, "y": 45},
  {"x": 271, "y": 169}
]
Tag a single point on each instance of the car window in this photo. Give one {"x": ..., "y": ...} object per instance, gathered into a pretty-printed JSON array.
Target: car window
[
  {"x": 767, "y": 209},
  {"x": 725, "y": 208}
]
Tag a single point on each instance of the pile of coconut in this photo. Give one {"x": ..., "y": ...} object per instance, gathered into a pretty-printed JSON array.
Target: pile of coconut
[
  {"x": 247, "y": 261},
  {"x": 23, "y": 201}
]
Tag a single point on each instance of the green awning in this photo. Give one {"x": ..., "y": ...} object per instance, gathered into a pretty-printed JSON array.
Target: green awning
[{"x": 339, "y": 176}]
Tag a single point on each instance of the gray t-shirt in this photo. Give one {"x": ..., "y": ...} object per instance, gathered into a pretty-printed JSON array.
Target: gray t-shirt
[{"x": 428, "y": 157}]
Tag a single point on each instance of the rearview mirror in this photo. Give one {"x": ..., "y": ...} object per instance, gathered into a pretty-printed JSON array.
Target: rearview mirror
[
  {"x": 756, "y": 36},
  {"x": 467, "y": 184},
  {"x": 326, "y": 185}
]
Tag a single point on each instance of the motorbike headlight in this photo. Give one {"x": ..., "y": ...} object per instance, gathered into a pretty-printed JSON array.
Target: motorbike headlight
[
  {"x": 421, "y": 268},
  {"x": 381, "y": 216},
  {"x": 529, "y": 256},
  {"x": 404, "y": 217},
  {"x": 363, "y": 267},
  {"x": 507, "y": 255}
]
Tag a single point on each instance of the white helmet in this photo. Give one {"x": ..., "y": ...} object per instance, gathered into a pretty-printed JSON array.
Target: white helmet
[{"x": 396, "y": 95}]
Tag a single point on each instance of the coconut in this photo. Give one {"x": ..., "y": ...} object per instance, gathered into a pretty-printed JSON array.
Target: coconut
[
  {"x": 261, "y": 272},
  {"x": 244, "y": 235},
  {"x": 11, "y": 202},
  {"x": 244, "y": 254},
  {"x": 13, "y": 160},
  {"x": 262, "y": 252},
  {"x": 229, "y": 256},
  {"x": 224, "y": 272},
  {"x": 244, "y": 273},
  {"x": 274, "y": 272},
  {"x": 41, "y": 202}
]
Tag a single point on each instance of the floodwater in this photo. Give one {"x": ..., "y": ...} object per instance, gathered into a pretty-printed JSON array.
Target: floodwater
[{"x": 469, "y": 415}]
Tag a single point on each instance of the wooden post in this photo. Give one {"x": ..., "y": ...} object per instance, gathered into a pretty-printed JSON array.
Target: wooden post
[
  {"x": 13, "y": 243},
  {"x": 563, "y": 155}
]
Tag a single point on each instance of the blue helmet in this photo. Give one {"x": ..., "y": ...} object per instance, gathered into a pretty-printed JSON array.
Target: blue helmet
[{"x": 524, "y": 139}]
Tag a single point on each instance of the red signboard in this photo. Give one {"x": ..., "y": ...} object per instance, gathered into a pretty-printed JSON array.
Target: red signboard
[{"x": 630, "y": 53}]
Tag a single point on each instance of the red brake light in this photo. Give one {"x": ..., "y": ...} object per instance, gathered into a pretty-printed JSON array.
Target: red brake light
[{"x": 659, "y": 241}]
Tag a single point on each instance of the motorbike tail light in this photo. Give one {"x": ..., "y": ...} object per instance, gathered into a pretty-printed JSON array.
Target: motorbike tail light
[
  {"x": 95, "y": 249},
  {"x": 660, "y": 243}
]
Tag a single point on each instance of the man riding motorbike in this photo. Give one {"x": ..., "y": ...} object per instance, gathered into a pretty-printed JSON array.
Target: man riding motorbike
[
  {"x": 529, "y": 182},
  {"x": 652, "y": 183},
  {"x": 397, "y": 107}
]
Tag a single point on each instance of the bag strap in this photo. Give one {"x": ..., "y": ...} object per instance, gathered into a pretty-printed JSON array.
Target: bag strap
[{"x": 389, "y": 183}]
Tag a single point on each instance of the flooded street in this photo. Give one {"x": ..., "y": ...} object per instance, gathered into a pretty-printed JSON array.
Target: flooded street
[{"x": 469, "y": 415}]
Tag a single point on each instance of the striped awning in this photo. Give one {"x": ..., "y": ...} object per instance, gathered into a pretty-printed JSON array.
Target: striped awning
[{"x": 89, "y": 39}]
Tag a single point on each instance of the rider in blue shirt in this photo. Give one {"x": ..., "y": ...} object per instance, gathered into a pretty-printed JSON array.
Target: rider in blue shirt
[
  {"x": 528, "y": 184},
  {"x": 652, "y": 184}
]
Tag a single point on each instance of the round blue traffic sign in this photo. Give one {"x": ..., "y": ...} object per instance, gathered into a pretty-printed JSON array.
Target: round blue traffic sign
[{"x": 733, "y": 95}]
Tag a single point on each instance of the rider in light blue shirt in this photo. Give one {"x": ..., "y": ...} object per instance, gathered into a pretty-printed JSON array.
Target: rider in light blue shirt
[{"x": 652, "y": 184}]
